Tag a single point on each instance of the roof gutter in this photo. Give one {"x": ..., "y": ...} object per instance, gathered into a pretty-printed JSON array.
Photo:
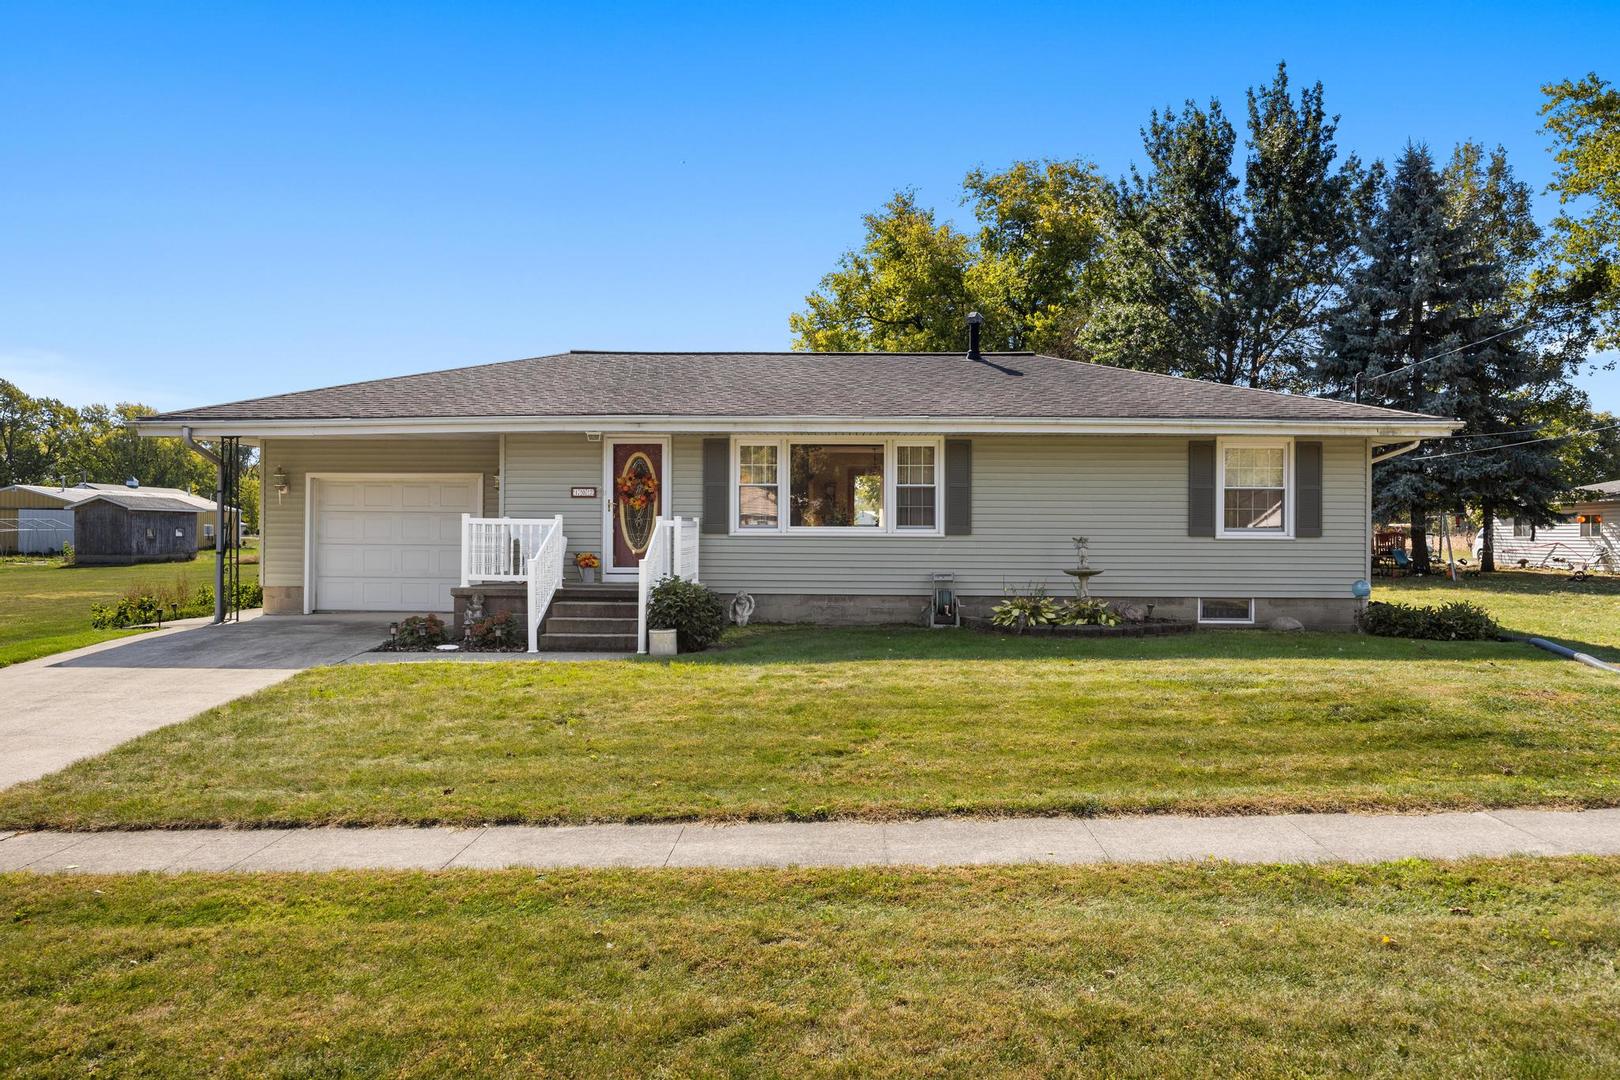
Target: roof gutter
[
  {"x": 1380, "y": 429},
  {"x": 219, "y": 529}
]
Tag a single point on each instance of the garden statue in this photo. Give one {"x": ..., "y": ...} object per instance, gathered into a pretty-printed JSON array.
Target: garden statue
[
  {"x": 1083, "y": 573},
  {"x": 742, "y": 608}
]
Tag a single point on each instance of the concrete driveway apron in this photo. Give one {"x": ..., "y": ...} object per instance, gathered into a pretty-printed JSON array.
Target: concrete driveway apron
[{"x": 58, "y": 709}]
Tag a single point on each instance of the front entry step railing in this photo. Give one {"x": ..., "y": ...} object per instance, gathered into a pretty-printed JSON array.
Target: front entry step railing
[
  {"x": 672, "y": 552},
  {"x": 499, "y": 549}
]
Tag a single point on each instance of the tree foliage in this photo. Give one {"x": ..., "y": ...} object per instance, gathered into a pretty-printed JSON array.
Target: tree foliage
[
  {"x": 44, "y": 441},
  {"x": 1027, "y": 269},
  {"x": 1435, "y": 320},
  {"x": 1583, "y": 117},
  {"x": 1219, "y": 277}
]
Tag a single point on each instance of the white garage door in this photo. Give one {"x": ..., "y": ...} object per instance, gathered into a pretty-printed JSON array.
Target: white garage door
[{"x": 389, "y": 545}]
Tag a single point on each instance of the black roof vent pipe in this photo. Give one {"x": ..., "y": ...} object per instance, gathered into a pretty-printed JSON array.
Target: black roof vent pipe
[{"x": 974, "y": 321}]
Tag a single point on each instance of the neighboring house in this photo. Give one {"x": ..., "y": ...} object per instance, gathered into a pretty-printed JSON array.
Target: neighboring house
[
  {"x": 1587, "y": 534},
  {"x": 829, "y": 486},
  {"x": 38, "y": 519}
]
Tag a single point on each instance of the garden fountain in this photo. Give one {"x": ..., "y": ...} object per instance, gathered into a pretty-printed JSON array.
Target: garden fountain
[{"x": 1082, "y": 574}]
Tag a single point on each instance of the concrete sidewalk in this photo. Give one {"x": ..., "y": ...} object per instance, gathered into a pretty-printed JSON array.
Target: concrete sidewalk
[{"x": 1283, "y": 838}]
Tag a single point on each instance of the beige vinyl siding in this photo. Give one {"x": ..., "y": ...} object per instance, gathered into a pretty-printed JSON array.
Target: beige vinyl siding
[
  {"x": 1031, "y": 494},
  {"x": 540, "y": 470},
  {"x": 282, "y": 520}
]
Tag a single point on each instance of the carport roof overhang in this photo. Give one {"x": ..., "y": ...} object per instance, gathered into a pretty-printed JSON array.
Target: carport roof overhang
[{"x": 251, "y": 430}]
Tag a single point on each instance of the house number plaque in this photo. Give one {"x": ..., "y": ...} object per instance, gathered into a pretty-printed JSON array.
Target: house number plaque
[{"x": 582, "y": 492}]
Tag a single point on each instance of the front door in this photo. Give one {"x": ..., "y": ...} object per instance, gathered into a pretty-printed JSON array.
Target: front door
[{"x": 635, "y": 499}]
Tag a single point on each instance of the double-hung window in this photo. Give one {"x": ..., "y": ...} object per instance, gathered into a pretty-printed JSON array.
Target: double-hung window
[
  {"x": 758, "y": 485},
  {"x": 837, "y": 484},
  {"x": 1591, "y": 526},
  {"x": 1254, "y": 484}
]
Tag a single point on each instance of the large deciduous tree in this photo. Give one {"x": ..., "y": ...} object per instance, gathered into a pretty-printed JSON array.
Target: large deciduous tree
[
  {"x": 1026, "y": 269},
  {"x": 1583, "y": 117},
  {"x": 1219, "y": 277}
]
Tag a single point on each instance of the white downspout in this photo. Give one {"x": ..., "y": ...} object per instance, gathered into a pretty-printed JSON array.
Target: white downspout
[{"x": 1404, "y": 448}]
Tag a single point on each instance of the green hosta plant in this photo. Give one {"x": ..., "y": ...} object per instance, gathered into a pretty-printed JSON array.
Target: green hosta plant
[
  {"x": 1025, "y": 609},
  {"x": 1087, "y": 612}
]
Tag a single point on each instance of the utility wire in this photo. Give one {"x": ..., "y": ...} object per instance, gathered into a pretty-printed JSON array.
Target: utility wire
[
  {"x": 1527, "y": 442},
  {"x": 1440, "y": 355}
]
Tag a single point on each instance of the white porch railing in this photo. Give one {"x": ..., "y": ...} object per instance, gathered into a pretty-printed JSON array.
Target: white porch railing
[
  {"x": 545, "y": 574},
  {"x": 500, "y": 549},
  {"x": 672, "y": 552}
]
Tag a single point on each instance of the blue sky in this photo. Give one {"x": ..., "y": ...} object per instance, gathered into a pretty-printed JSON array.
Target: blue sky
[{"x": 212, "y": 201}]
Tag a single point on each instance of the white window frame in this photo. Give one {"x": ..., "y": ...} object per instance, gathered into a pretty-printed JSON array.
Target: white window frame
[
  {"x": 1225, "y": 622},
  {"x": 1221, "y": 531},
  {"x": 784, "y": 482}
]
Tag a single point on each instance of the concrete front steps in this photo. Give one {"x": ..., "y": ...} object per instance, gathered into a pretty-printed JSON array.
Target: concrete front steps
[{"x": 591, "y": 618}]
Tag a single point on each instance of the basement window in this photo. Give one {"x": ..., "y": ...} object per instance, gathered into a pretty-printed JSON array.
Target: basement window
[{"x": 1225, "y": 611}]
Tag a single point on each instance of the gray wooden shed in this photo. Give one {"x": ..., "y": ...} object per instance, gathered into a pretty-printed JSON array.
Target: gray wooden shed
[{"x": 111, "y": 528}]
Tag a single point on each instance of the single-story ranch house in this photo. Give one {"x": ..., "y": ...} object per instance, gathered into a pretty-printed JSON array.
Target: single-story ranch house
[
  {"x": 1587, "y": 533},
  {"x": 830, "y": 487}
]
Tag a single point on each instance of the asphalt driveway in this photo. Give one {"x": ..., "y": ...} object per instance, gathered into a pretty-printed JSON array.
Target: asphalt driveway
[{"x": 58, "y": 709}]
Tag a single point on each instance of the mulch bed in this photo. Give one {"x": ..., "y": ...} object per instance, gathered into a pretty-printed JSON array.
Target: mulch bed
[{"x": 1150, "y": 628}]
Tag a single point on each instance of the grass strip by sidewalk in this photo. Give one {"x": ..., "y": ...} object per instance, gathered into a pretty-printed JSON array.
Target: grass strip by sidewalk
[
  {"x": 807, "y": 724},
  {"x": 1480, "y": 968}
]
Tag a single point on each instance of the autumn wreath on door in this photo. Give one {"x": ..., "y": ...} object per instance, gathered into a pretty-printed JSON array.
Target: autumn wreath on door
[{"x": 637, "y": 496}]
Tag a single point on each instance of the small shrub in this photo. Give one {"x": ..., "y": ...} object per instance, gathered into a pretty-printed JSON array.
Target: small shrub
[
  {"x": 1087, "y": 612},
  {"x": 1019, "y": 610},
  {"x": 1457, "y": 621},
  {"x": 694, "y": 612},
  {"x": 420, "y": 632},
  {"x": 69, "y": 555},
  {"x": 502, "y": 630}
]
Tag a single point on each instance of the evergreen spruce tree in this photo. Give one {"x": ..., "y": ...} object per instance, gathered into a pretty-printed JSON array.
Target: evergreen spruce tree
[{"x": 1432, "y": 322}]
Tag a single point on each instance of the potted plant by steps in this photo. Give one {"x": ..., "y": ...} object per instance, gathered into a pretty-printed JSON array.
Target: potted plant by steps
[{"x": 587, "y": 561}]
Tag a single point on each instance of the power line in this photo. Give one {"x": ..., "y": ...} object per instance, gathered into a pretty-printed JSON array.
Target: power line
[
  {"x": 1441, "y": 355},
  {"x": 1526, "y": 442}
]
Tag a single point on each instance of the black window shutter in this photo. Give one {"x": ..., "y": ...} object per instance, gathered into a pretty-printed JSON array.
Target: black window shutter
[
  {"x": 716, "y": 486},
  {"x": 1308, "y": 489},
  {"x": 958, "y": 487},
  {"x": 1201, "y": 488}
]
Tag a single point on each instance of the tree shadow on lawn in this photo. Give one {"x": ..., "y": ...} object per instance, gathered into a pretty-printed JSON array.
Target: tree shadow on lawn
[{"x": 810, "y": 645}]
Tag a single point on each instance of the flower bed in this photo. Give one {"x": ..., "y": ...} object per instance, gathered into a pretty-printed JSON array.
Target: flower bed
[{"x": 1149, "y": 628}]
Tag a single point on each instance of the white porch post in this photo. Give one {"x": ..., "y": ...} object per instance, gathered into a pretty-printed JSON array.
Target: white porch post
[{"x": 466, "y": 550}]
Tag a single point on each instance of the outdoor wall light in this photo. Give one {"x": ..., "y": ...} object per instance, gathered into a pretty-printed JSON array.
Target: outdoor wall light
[{"x": 279, "y": 480}]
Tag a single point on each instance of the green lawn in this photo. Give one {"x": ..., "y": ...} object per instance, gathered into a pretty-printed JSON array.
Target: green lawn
[
  {"x": 45, "y": 606},
  {"x": 1581, "y": 614},
  {"x": 805, "y": 723},
  {"x": 1480, "y": 969}
]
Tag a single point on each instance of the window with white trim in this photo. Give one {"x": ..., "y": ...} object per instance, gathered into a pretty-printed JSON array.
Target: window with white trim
[
  {"x": 916, "y": 486},
  {"x": 1522, "y": 529},
  {"x": 836, "y": 484},
  {"x": 758, "y": 485},
  {"x": 1254, "y": 486},
  {"x": 1591, "y": 526},
  {"x": 1229, "y": 610}
]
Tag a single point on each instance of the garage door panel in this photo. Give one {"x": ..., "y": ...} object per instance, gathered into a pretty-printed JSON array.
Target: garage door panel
[
  {"x": 338, "y": 526},
  {"x": 421, "y": 529},
  {"x": 339, "y": 496},
  {"x": 380, "y": 496},
  {"x": 389, "y": 545},
  {"x": 457, "y": 497}
]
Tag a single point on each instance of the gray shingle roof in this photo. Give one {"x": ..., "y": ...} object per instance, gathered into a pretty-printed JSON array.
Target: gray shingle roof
[
  {"x": 134, "y": 501},
  {"x": 789, "y": 384}
]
